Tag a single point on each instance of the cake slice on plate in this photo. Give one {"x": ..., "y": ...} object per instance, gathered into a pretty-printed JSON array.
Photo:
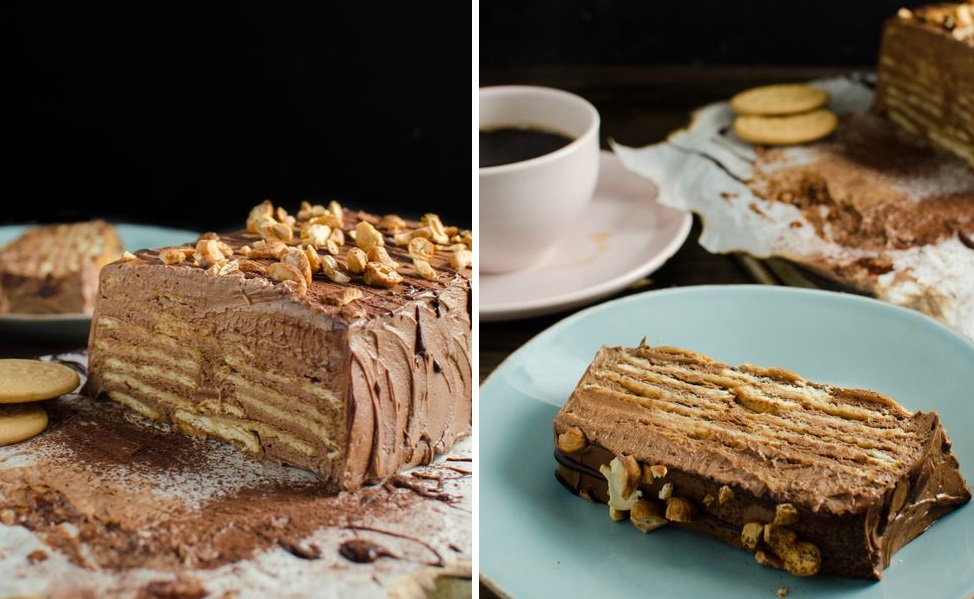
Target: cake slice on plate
[
  {"x": 811, "y": 478},
  {"x": 53, "y": 269}
]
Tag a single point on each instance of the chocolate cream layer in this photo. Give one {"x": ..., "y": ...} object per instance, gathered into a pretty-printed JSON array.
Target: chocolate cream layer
[
  {"x": 352, "y": 390},
  {"x": 860, "y": 475}
]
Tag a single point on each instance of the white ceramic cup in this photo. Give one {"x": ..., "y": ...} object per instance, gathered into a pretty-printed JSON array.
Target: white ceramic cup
[{"x": 527, "y": 207}]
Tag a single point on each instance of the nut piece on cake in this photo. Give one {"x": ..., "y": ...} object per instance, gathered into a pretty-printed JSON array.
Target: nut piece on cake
[
  {"x": 288, "y": 350},
  {"x": 54, "y": 269},
  {"x": 812, "y": 479}
]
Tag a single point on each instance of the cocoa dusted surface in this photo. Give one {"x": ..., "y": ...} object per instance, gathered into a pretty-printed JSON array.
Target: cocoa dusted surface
[
  {"x": 874, "y": 188},
  {"x": 114, "y": 492}
]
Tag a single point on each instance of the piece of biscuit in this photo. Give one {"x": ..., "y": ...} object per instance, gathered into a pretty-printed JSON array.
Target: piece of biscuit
[
  {"x": 20, "y": 422},
  {"x": 786, "y": 130},
  {"x": 34, "y": 380},
  {"x": 779, "y": 99}
]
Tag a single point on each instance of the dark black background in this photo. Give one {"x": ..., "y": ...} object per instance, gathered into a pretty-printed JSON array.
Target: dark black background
[
  {"x": 695, "y": 32},
  {"x": 187, "y": 114}
]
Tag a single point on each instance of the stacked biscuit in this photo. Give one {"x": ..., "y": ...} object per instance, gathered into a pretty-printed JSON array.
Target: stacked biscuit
[
  {"x": 23, "y": 383},
  {"x": 783, "y": 114}
]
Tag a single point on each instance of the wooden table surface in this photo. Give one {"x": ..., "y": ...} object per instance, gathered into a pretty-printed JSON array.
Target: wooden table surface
[{"x": 639, "y": 106}]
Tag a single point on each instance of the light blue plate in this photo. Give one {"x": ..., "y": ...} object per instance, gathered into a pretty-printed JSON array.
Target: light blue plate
[
  {"x": 73, "y": 328},
  {"x": 539, "y": 540}
]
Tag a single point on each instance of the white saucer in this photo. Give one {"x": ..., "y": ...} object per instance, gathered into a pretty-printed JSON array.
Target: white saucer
[{"x": 623, "y": 236}]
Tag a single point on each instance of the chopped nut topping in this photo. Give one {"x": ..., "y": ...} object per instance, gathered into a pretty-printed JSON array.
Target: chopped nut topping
[
  {"x": 283, "y": 217},
  {"x": 724, "y": 495},
  {"x": 622, "y": 482},
  {"x": 209, "y": 252},
  {"x": 327, "y": 218},
  {"x": 297, "y": 258},
  {"x": 438, "y": 232},
  {"x": 336, "y": 209},
  {"x": 406, "y": 236},
  {"x": 617, "y": 515},
  {"x": 381, "y": 275},
  {"x": 421, "y": 249},
  {"x": 330, "y": 267},
  {"x": 666, "y": 491},
  {"x": 172, "y": 256},
  {"x": 356, "y": 260},
  {"x": 785, "y": 514},
  {"x": 425, "y": 270},
  {"x": 391, "y": 223},
  {"x": 231, "y": 266},
  {"x": 367, "y": 236},
  {"x": 647, "y": 516},
  {"x": 572, "y": 440},
  {"x": 337, "y": 237},
  {"x": 799, "y": 558},
  {"x": 307, "y": 211},
  {"x": 314, "y": 259},
  {"x": 680, "y": 509},
  {"x": 350, "y": 295},
  {"x": 315, "y": 234},
  {"x": 279, "y": 271},
  {"x": 767, "y": 559},
  {"x": 259, "y": 213},
  {"x": 461, "y": 259},
  {"x": 251, "y": 266},
  {"x": 378, "y": 253},
  {"x": 128, "y": 256},
  {"x": 751, "y": 534},
  {"x": 268, "y": 249},
  {"x": 708, "y": 499}
]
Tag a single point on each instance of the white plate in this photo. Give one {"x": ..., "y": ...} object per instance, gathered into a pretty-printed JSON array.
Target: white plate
[
  {"x": 75, "y": 326},
  {"x": 623, "y": 236},
  {"x": 537, "y": 539}
]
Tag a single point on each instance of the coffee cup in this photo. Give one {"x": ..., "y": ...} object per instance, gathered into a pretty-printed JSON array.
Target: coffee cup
[{"x": 539, "y": 163}]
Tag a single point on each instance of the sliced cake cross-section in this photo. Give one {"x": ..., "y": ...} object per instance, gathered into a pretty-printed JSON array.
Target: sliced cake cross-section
[{"x": 809, "y": 477}]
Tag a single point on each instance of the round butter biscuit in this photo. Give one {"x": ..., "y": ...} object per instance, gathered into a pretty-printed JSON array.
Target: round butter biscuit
[
  {"x": 786, "y": 130},
  {"x": 779, "y": 99},
  {"x": 34, "y": 380},
  {"x": 20, "y": 422}
]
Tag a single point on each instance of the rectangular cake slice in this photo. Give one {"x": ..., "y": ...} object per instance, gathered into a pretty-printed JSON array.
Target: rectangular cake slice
[
  {"x": 53, "y": 269},
  {"x": 333, "y": 341},
  {"x": 925, "y": 77},
  {"x": 809, "y": 477}
]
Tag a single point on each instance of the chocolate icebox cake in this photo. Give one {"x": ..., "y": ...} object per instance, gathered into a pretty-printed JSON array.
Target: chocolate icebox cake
[
  {"x": 925, "y": 75},
  {"x": 53, "y": 269},
  {"x": 331, "y": 340},
  {"x": 809, "y": 477},
  {"x": 108, "y": 503}
]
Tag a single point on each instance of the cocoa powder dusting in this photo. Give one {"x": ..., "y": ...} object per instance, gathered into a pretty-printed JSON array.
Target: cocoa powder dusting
[
  {"x": 873, "y": 188},
  {"x": 102, "y": 465}
]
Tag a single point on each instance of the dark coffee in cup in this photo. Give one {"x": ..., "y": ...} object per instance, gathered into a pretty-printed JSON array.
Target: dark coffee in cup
[{"x": 504, "y": 145}]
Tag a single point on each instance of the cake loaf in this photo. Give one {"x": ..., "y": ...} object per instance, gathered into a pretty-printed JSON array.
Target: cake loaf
[
  {"x": 811, "y": 478},
  {"x": 52, "y": 269},
  {"x": 331, "y": 340},
  {"x": 925, "y": 75}
]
